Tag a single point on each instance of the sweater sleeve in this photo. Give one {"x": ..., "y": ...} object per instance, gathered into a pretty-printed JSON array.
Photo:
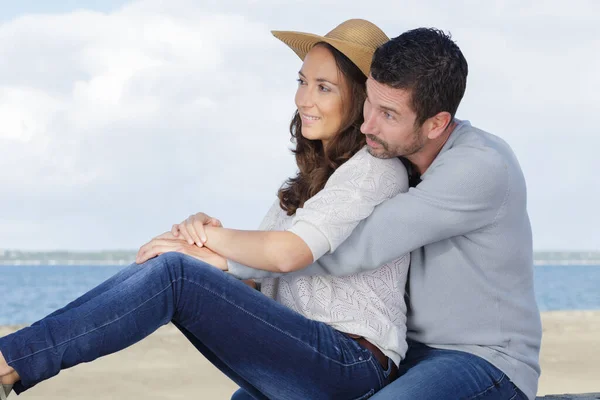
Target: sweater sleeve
[
  {"x": 349, "y": 196},
  {"x": 463, "y": 191}
]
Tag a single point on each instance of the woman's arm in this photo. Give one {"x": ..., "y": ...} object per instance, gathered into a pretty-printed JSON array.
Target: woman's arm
[{"x": 275, "y": 251}]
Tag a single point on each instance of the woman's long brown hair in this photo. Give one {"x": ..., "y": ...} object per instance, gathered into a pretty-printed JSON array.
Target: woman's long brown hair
[{"x": 315, "y": 165}]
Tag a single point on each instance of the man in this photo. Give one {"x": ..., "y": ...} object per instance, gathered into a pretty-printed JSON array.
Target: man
[{"x": 474, "y": 328}]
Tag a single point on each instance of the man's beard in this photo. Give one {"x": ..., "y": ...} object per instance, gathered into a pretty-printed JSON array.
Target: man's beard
[{"x": 415, "y": 145}]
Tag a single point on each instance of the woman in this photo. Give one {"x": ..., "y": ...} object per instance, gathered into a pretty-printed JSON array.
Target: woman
[{"x": 272, "y": 350}]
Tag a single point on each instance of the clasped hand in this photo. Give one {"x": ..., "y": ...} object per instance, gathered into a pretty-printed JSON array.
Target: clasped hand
[
  {"x": 192, "y": 229},
  {"x": 188, "y": 237}
]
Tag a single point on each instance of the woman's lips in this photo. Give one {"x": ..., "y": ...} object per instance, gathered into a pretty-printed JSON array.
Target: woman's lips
[{"x": 309, "y": 119}]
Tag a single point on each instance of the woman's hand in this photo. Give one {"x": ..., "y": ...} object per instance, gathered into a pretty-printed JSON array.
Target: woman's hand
[
  {"x": 192, "y": 229},
  {"x": 168, "y": 242}
]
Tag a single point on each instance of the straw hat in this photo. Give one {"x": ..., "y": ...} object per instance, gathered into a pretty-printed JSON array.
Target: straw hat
[{"x": 357, "y": 39}]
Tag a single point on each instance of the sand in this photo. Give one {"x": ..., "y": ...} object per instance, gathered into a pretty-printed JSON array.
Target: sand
[
  {"x": 570, "y": 356},
  {"x": 166, "y": 366},
  {"x": 162, "y": 366}
]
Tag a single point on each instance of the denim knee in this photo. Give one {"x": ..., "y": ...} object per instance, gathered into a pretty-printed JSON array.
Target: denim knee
[
  {"x": 241, "y": 394},
  {"x": 178, "y": 265},
  {"x": 170, "y": 263}
]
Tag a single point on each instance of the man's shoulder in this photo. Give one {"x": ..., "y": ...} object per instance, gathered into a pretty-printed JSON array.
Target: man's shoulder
[
  {"x": 473, "y": 139},
  {"x": 473, "y": 149},
  {"x": 475, "y": 162}
]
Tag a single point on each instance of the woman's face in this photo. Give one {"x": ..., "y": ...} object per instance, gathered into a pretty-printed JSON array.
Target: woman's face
[{"x": 319, "y": 95}]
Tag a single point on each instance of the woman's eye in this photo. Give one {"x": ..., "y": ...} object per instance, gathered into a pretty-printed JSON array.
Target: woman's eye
[
  {"x": 324, "y": 88},
  {"x": 300, "y": 81}
]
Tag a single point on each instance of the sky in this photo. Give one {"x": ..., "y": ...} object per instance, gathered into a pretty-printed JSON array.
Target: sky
[{"x": 120, "y": 118}]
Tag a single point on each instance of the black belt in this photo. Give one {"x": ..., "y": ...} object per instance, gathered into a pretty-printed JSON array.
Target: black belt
[{"x": 383, "y": 360}]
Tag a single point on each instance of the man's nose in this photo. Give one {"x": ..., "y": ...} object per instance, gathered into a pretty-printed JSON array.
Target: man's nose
[{"x": 368, "y": 126}]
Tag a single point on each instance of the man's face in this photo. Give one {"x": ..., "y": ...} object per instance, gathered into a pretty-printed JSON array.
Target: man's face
[{"x": 390, "y": 122}]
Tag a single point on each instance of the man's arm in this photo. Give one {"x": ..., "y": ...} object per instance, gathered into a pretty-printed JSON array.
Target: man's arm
[
  {"x": 464, "y": 190},
  {"x": 322, "y": 224}
]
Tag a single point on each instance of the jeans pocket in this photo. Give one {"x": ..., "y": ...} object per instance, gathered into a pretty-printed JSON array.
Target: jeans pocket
[{"x": 366, "y": 395}]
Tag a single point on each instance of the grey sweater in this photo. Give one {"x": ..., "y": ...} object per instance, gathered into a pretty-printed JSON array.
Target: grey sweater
[{"x": 470, "y": 285}]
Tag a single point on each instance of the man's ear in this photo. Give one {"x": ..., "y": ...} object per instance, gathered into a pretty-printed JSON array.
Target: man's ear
[{"x": 437, "y": 124}]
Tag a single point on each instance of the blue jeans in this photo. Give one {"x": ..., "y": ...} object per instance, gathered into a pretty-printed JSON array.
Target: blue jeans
[
  {"x": 266, "y": 348},
  {"x": 433, "y": 374}
]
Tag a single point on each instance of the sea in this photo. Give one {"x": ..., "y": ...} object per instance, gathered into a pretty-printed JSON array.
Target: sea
[{"x": 28, "y": 293}]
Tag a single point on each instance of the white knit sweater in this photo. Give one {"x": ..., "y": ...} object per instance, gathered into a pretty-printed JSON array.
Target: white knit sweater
[{"x": 370, "y": 304}]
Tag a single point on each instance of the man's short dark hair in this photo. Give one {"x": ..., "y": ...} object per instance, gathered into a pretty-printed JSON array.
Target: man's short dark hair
[{"x": 428, "y": 63}]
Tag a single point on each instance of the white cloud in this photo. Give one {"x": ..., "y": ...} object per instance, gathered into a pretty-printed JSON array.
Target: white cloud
[{"x": 115, "y": 125}]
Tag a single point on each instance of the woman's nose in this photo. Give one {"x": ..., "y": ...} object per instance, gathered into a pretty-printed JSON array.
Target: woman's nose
[{"x": 304, "y": 97}]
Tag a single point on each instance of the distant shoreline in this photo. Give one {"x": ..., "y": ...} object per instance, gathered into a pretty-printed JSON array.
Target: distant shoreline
[
  {"x": 126, "y": 257},
  {"x": 116, "y": 263},
  {"x": 591, "y": 263},
  {"x": 46, "y": 263}
]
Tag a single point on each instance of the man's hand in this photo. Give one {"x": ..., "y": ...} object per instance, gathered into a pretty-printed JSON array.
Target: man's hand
[
  {"x": 192, "y": 229},
  {"x": 167, "y": 242}
]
